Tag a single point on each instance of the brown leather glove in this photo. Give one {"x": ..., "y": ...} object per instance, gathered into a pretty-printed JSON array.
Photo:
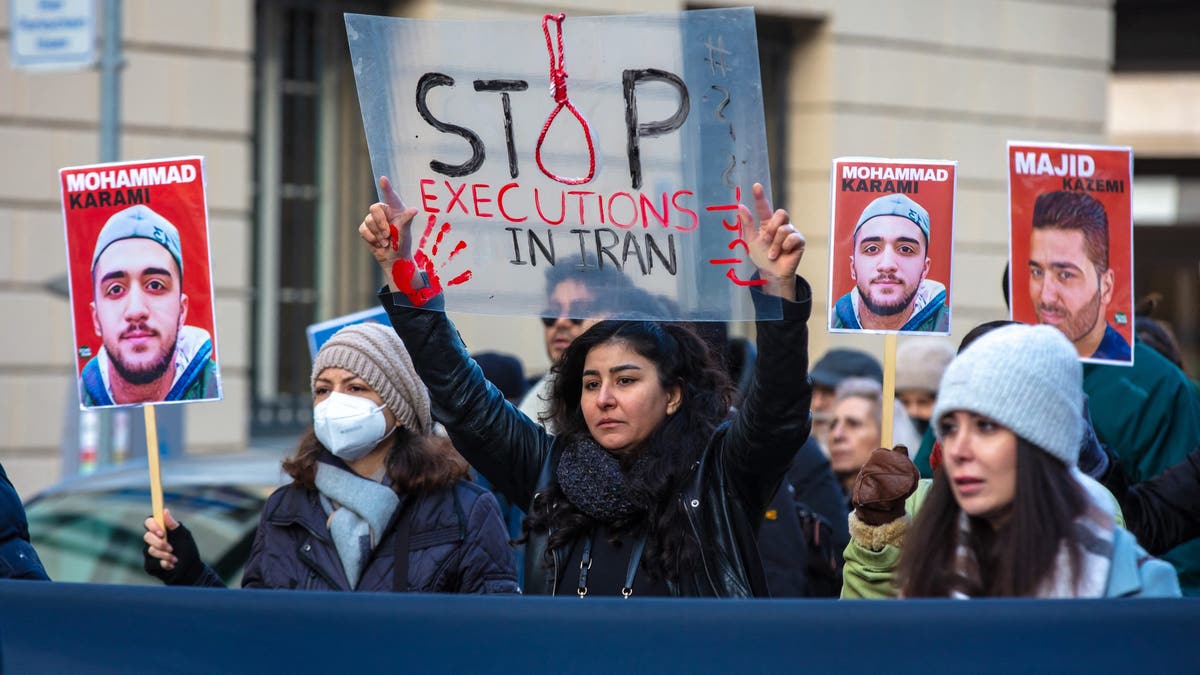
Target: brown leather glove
[{"x": 882, "y": 485}]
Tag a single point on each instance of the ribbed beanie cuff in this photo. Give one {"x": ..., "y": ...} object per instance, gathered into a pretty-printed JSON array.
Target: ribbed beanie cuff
[{"x": 1026, "y": 378}]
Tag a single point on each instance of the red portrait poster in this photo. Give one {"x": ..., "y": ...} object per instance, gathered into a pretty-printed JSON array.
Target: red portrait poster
[
  {"x": 141, "y": 288},
  {"x": 891, "y": 245},
  {"x": 1071, "y": 244}
]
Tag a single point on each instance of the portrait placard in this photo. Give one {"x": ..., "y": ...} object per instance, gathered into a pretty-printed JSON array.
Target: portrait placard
[
  {"x": 1071, "y": 244},
  {"x": 141, "y": 290},
  {"x": 891, "y": 245}
]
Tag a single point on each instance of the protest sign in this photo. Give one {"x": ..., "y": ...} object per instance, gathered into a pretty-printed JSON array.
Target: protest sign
[
  {"x": 141, "y": 290},
  {"x": 891, "y": 245},
  {"x": 1071, "y": 244},
  {"x": 617, "y": 143},
  {"x": 319, "y": 333}
]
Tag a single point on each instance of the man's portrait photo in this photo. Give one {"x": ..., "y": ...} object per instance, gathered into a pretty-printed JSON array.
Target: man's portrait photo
[
  {"x": 1071, "y": 258},
  {"x": 891, "y": 243},
  {"x": 141, "y": 292},
  {"x": 1070, "y": 281}
]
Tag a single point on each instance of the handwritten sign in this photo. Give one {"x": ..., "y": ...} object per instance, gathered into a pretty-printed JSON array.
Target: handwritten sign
[
  {"x": 1071, "y": 244},
  {"x": 892, "y": 243},
  {"x": 583, "y": 146},
  {"x": 141, "y": 290}
]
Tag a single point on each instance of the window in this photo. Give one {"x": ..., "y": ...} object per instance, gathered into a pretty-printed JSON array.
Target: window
[{"x": 313, "y": 180}]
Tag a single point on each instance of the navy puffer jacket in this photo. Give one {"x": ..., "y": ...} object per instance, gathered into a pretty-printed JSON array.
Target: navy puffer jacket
[
  {"x": 18, "y": 560},
  {"x": 457, "y": 543}
]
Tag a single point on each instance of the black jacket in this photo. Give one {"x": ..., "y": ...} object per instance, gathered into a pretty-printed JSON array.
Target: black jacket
[
  {"x": 806, "y": 530},
  {"x": 732, "y": 482},
  {"x": 1163, "y": 512}
]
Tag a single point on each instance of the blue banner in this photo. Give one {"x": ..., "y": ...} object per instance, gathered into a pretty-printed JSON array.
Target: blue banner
[{"x": 77, "y": 628}]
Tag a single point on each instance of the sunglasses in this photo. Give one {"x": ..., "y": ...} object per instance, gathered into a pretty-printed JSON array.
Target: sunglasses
[
  {"x": 549, "y": 321},
  {"x": 553, "y": 313}
]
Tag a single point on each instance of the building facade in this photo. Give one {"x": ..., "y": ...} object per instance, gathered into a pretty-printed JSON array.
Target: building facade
[{"x": 264, "y": 90}]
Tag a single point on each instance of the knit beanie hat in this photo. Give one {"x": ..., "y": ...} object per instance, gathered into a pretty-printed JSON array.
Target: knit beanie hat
[
  {"x": 375, "y": 353},
  {"x": 920, "y": 363},
  {"x": 1026, "y": 378}
]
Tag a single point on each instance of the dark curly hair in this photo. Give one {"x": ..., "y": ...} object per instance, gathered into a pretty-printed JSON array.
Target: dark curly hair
[
  {"x": 665, "y": 459},
  {"x": 417, "y": 465}
]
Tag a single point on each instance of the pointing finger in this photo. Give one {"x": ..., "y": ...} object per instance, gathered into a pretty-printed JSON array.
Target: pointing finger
[
  {"x": 389, "y": 195},
  {"x": 761, "y": 206}
]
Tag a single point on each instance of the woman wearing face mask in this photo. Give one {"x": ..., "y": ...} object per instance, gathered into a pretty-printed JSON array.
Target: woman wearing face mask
[
  {"x": 377, "y": 501},
  {"x": 650, "y": 485},
  {"x": 1008, "y": 514}
]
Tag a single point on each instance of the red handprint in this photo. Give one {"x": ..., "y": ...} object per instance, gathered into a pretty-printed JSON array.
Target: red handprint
[{"x": 405, "y": 270}]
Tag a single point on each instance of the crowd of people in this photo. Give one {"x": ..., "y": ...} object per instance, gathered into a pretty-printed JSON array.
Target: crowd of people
[{"x": 660, "y": 458}]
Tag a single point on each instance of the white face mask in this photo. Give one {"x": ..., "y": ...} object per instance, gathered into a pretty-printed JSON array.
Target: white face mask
[{"x": 349, "y": 426}]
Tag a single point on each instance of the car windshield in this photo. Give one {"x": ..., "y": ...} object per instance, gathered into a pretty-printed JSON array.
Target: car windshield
[{"x": 96, "y": 536}]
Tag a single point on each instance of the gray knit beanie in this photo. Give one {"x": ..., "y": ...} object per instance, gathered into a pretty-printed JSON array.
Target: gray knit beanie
[
  {"x": 920, "y": 362},
  {"x": 1026, "y": 378},
  {"x": 375, "y": 353}
]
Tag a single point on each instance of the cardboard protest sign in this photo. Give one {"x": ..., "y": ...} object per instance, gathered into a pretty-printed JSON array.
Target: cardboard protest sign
[
  {"x": 614, "y": 149},
  {"x": 891, "y": 245},
  {"x": 1071, "y": 244},
  {"x": 319, "y": 333},
  {"x": 141, "y": 290}
]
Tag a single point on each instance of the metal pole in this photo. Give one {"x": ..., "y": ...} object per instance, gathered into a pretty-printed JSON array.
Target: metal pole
[
  {"x": 110, "y": 84},
  {"x": 96, "y": 428}
]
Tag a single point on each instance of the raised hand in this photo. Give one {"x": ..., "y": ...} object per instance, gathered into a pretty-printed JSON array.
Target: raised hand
[
  {"x": 775, "y": 246},
  {"x": 387, "y": 231},
  {"x": 387, "y": 228},
  {"x": 882, "y": 485}
]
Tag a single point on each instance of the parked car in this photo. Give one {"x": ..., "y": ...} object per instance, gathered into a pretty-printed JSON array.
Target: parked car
[{"x": 89, "y": 528}]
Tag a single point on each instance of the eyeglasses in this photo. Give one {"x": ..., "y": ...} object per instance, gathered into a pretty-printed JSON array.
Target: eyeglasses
[{"x": 549, "y": 321}]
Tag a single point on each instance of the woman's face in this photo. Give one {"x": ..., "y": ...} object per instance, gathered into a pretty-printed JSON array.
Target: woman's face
[
  {"x": 345, "y": 382},
  {"x": 980, "y": 458},
  {"x": 623, "y": 401}
]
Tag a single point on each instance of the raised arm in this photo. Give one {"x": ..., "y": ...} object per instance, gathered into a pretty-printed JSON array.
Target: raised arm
[
  {"x": 773, "y": 421},
  {"x": 500, "y": 442}
]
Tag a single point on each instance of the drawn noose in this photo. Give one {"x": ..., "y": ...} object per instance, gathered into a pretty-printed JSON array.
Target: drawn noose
[{"x": 558, "y": 85}]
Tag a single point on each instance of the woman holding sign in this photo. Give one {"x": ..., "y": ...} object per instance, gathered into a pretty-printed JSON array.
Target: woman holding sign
[
  {"x": 378, "y": 501},
  {"x": 651, "y": 485}
]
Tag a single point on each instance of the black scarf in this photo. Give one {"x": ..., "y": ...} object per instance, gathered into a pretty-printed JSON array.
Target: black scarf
[{"x": 593, "y": 481}]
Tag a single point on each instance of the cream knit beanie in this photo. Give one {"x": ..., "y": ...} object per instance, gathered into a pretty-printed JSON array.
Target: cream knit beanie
[{"x": 375, "y": 353}]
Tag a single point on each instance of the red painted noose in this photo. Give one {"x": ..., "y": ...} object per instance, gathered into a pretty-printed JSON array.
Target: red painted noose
[{"x": 558, "y": 84}]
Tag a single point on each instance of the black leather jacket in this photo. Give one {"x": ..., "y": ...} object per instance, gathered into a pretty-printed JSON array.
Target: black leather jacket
[{"x": 725, "y": 496}]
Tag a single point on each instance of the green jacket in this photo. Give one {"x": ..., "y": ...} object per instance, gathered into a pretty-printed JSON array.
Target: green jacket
[
  {"x": 868, "y": 573},
  {"x": 1149, "y": 416}
]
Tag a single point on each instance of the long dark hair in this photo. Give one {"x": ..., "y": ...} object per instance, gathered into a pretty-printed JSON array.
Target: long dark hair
[
  {"x": 416, "y": 464},
  {"x": 665, "y": 458},
  {"x": 1015, "y": 560}
]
